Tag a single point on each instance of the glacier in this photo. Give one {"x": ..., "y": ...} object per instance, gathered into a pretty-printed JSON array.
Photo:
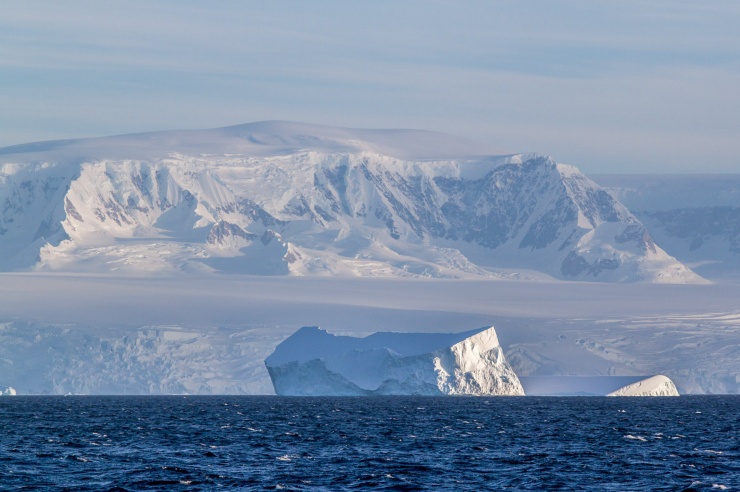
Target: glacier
[
  {"x": 276, "y": 198},
  {"x": 312, "y": 362}
]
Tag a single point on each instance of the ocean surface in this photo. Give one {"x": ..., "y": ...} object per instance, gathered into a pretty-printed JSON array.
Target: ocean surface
[{"x": 393, "y": 443}]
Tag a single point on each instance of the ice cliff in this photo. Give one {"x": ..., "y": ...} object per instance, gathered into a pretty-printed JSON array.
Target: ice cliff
[{"x": 313, "y": 362}]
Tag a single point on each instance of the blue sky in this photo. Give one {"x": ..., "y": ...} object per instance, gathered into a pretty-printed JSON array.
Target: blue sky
[{"x": 628, "y": 86}]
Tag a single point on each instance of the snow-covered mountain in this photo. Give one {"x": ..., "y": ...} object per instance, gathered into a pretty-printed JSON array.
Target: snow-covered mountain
[
  {"x": 696, "y": 218},
  {"x": 280, "y": 198}
]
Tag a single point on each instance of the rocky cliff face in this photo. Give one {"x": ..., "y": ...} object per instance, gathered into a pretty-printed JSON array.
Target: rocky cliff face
[
  {"x": 315, "y": 363},
  {"x": 349, "y": 212}
]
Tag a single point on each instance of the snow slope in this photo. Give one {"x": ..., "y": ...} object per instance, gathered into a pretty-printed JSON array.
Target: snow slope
[
  {"x": 696, "y": 218},
  {"x": 281, "y": 198},
  {"x": 312, "y": 362}
]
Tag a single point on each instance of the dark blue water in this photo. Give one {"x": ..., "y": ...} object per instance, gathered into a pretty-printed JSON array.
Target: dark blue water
[{"x": 399, "y": 443}]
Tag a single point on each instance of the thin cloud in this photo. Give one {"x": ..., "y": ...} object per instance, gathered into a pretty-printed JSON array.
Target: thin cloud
[{"x": 532, "y": 75}]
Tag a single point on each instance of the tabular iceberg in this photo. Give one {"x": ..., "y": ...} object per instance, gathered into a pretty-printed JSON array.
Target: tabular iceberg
[{"x": 312, "y": 362}]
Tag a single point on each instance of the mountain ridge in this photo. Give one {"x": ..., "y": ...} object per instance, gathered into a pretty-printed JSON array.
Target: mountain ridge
[
  {"x": 696, "y": 217},
  {"x": 344, "y": 209}
]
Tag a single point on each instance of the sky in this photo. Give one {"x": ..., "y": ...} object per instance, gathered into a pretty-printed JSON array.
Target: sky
[{"x": 610, "y": 87}]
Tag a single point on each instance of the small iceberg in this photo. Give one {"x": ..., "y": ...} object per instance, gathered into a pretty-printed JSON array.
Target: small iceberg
[
  {"x": 657, "y": 385},
  {"x": 7, "y": 391}
]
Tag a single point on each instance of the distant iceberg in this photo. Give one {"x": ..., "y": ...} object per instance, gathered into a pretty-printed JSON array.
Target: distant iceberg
[
  {"x": 7, "y": 391},
  {"x": 658, "y": 385},
  {"x": 312, "y": 362}
]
